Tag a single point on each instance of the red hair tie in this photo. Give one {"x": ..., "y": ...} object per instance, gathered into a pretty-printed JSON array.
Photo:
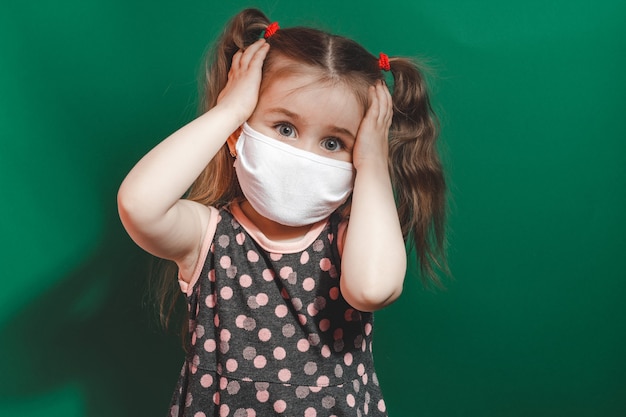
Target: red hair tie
[
  {"x": 271, "y": 29},
  {"x": 383, "y": 62}
]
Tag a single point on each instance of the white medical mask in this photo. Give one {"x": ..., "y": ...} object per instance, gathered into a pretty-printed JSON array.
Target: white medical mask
[{"x": 288, "y": 185}]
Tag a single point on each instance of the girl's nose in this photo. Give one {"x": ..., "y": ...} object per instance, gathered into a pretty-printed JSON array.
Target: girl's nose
[{"x": 306, "y": 143}]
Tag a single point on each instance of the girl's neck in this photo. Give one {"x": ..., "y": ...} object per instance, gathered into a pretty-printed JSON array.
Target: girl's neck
[{"x": 275, "y": 232}]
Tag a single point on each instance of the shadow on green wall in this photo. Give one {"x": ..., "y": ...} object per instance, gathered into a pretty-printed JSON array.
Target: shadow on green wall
[{"x": 63, "y": 358}]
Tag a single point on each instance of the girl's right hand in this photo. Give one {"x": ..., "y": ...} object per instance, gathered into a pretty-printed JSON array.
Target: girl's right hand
[
  {"x": 150, "y": 203},
  {"x": 241, "y": 93}
]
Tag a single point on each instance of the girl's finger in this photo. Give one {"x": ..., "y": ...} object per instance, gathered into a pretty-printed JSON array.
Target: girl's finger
[
  {"x": 375, "y": 104},
  {"x": 259, "y": 56},
  {"x": 250, "y": 51},
  {"x": 236, "y": 60},
  {"x": 374, "y": 108},
  {"x": 382, "y": 94},
  {"x": 387, "y": 104}
]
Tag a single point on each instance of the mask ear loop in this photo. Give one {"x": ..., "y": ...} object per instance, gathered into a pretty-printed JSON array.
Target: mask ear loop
[{"x": 231, "y": 142}]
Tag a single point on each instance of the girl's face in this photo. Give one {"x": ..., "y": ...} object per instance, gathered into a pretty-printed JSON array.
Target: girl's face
[{"x": 310, "y": 115}]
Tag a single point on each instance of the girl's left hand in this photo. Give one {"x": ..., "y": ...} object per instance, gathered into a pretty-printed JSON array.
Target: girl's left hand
[
  {"x": 372, "y": 144},
  {"x": 373, "y": 199}
]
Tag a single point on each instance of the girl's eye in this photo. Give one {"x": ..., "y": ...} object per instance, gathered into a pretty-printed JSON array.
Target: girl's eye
[
  {"x": 332, "y": 144},
  {"x": 285, "y": 129}
]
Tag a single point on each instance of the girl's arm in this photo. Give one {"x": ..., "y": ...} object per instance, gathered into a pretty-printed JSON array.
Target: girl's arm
[
  {"x": 373, "y": 264},
  {"x": 149, "y": 199}
]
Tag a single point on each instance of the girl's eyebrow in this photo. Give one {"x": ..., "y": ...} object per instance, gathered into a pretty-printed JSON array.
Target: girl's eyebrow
[
  {"x": 295, "y": 116},
  {"x": 344, "y": 131},
  {"x": 284, "y": 111}
]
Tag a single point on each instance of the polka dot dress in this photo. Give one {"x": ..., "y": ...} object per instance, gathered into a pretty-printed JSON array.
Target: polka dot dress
[{"x": 271, "y": 335}]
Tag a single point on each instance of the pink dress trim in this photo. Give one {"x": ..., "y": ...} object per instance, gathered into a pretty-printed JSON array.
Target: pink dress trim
[
  {"x": 270, "y": 245},
  {"x": 187, "y": 287}
]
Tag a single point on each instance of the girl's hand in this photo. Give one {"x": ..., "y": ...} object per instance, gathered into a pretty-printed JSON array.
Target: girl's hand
[
  {"x": 372, "y": 198},
  {"x": 241, "y": 93},
  {"x": 372, "y": 145}
]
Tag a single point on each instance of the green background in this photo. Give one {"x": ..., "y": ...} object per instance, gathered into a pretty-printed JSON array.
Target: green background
[{"x": 532, "y": 99}]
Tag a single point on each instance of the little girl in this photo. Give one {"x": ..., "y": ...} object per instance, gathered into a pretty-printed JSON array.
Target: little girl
[{"x": 290, "y": 234}]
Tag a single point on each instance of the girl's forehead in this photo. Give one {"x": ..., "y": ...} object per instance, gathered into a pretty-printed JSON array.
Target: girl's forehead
[
  {"x": 310, "y": 87},
  {"x": 308, "y": 100}
]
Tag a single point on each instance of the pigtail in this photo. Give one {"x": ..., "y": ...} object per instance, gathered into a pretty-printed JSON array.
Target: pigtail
[
  {"x": 217, "y": 184},
  {"x": 416, "y": 170}
]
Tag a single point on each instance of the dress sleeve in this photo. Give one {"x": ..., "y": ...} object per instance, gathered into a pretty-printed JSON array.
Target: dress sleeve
[{"x": 187, "y": 287}]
